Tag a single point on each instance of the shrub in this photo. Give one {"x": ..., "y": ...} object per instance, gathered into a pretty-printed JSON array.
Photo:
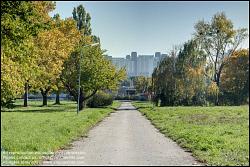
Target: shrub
[{"x": 99, "y": 100}]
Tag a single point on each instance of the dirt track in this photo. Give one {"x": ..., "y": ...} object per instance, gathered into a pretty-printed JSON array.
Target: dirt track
[{"x": 124, "y": 138}]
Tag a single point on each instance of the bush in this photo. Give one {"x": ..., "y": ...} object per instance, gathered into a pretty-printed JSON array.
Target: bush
[
  {"x": 99, "y": 100},
  {"x": 137, "y": 97},
  {"x": 8, "y": 104}
]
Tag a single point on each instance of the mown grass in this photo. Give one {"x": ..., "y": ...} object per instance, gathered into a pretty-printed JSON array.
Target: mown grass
[
  {"x": 46, "y": 129},
  {"x": 215, "y": 135}
]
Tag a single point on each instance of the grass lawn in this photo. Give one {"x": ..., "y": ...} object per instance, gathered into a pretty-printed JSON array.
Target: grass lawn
[
  {"x": 46, "y": 129},
  {"x": 215, "y": 135}
]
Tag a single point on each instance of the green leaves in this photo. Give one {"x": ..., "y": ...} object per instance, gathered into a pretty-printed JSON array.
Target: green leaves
[
  {"x": 83, "y": 20},
  {"x": 20, "y": 23},
  {"x": 97, "y": 73},
  {"x": 54, "y": 46}
]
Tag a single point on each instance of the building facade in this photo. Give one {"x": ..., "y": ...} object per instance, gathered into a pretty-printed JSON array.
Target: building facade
[{"x": 138, "y": 65}]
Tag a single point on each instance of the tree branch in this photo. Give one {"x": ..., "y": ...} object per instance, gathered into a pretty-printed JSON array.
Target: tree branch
[{"x": 92, "y": 94}]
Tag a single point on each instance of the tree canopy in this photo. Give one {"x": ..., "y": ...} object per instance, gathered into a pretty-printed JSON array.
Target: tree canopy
[
  {"x": 21, "y": 21},
  {"x": 192, "y": 74}
]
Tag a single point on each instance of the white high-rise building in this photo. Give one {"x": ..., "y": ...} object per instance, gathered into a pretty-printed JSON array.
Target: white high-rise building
[
  {"x": 142, "y": 65},
  {"x": 145, "y": 65}
]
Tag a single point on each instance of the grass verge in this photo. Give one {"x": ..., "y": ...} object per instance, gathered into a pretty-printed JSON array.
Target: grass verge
[
  {"x": 215, "y": 135},
  {"x": 44, "y": 129}
]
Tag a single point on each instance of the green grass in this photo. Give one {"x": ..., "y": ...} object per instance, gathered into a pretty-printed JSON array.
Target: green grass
[
  {"x": 46, "y": 129},
  {"x": 215, "y": 135}
]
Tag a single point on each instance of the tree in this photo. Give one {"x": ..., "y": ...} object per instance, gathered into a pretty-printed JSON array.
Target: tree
[
  {"x": 178, "y": 79},
  {"x": 58, "y": 89},
  {"x": 143, "y": 85},
  {"x": 83, "y": 20},
  {"x": 31, "y": 68},
  {"x": 20, "y": 22},
  {"x": 218, "y": 40},
  {"x": 235, "y": 78},
  {"x": 190, "y": 65},
  {"x": 51, "y": 46},
  {"x": 97, "y": 73},
  {"x": 164, "y": 82}
]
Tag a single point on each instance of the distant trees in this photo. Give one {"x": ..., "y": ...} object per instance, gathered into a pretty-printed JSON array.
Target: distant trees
[
  {"x": 142, "y": 84},
  {"x": 195, "y": 75}
]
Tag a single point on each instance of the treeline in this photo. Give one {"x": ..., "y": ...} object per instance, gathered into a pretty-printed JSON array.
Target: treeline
[
  {"x": 208, "y": 69},
  {"x": 42, "y": 54}
]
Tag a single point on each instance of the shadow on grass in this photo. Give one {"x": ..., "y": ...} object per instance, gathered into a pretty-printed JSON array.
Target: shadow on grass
[
  {"x": 62, "y": 107},
  {"x": 39, "y": 109},
  {"x": 105, "y": 107}
]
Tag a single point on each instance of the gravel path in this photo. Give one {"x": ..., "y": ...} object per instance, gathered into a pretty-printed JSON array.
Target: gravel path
[{"x": 124, "y": 138}]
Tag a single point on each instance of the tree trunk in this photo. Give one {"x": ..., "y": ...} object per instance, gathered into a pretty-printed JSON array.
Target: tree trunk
[
  {"x": 57, "y": 97},
  {"x": 218, "y": 82},
  {"x": 217, "y": 100},
  {"x": 217, "y": 96},
  {"x": 45, "y": 99},
  {"x": 45, "y": 95},
  {"x": 26, "y": 88},
  {"x": 81, "y": 105},
  {"x": 84, "y": 98}
]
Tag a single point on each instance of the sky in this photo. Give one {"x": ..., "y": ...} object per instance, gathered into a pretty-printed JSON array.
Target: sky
[{"x": 151, "y": 26}]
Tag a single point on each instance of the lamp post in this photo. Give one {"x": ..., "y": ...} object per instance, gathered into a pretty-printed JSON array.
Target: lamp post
[{"x": 79, "y": 76}]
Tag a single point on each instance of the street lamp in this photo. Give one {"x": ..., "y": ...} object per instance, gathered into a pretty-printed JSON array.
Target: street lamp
[{"x": 78, "y": 100}]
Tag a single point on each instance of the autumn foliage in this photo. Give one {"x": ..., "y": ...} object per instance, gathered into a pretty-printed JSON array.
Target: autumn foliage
[
  {"x": 208, "y": 69},
  {"x": 42, "y": 54}
]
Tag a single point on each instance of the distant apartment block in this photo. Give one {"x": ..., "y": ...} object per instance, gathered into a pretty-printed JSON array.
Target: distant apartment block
[{"x": 138, "y": 65}]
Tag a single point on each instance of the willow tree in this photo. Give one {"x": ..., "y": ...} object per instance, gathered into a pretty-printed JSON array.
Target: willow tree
[
  {"x": 218, "y": 39},
  {"x": 163, "y": 80},
  {"x": 190, "y": 81},
  {"x": 179, "y": 79}
]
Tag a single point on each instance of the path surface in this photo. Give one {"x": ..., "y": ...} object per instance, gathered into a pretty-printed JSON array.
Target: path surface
[{"x": 124, "y": 138}]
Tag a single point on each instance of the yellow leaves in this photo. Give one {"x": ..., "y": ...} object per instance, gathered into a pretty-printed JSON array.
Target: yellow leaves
[
  {"x": 54, "y": 47},
  {"x": 195, "y": 72},
  {"x": 96, "y": 71},
  {"x": 43, "y": 8},
  {"x": 11, "y": 79},
  {"x": 235, "y": 72},
  {"x": 213, "y": 89}
]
